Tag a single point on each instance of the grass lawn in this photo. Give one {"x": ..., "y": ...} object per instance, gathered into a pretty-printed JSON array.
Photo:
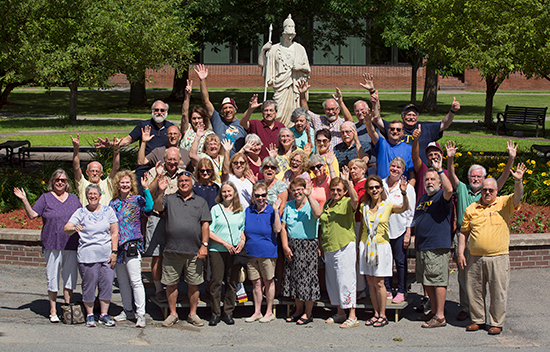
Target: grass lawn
[{"x": 101, "y": 103}]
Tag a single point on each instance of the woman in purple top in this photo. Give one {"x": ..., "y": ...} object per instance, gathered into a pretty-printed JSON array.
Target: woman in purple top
[
  {"x": 299, "y": 167},
  {"x": 130, "y": 208},
  {"x": 55, "y": 208}
]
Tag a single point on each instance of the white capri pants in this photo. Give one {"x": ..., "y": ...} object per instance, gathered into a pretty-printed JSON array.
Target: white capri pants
[
  {"x": 340, "y": 276},
  {"x": 129, "y": 282},
  {"x": 64, "y": 263}
]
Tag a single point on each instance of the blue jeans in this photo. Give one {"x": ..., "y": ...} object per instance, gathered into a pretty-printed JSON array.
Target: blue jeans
[{"x": 400, "y": 258}]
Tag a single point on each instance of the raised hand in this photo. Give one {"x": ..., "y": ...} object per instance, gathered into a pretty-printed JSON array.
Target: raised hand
[
  {"x": 369, "y": 116},
  {"x": 227, "y": 145},
  {"x": 338, "y": 96},
  {"x": 518, "y": 174},
  {"x": 201, "y": 131},
  {"x": 437, "y": 164},
  {"x": 450, "y": 147},
  {"x": 329, "y": 157},
  {"x": 512, "y": 149},
  {"x": 201, "y": 71},
  {"x": 189, "y": 86},
  {"x": 369, "y": 82},
  {"x": 76, "y": 141},
  {"x": 145, "y": 181},
  {"x": 159, "y": 167},
  {"x": 277, "y": 204},
  {"x": 251, "y": 177},
  {"x": 403, "y": 184},
  {"x": 162, "y": 183},
  {"x": 455, "y": 106},
  {"x": 308, "y": 148},
  {"x": 374, "y": 98},
  {"x": 102, "y": 143},
  {"x": 253, "y": 103},
  {"x": 417, "y": 132},
  {"x": 20, "y": 193},
  {"x": 344, "y": 175},
  {"x": 146, "y": 134},
  {"x": 248, "y": 146},
  {"x": 308, "y": 189},
  {"x": 272, "y": 150},
  {"x": 116, "y": 143},
  {"x": 302, "y": 86}
]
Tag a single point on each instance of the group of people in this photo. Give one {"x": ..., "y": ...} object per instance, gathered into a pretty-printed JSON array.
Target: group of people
[{"x": 219, "y": 194}]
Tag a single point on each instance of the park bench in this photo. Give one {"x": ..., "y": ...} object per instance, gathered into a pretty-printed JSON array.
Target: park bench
[
  {"x": 523, "y": 116},
  {"x": 25, "y": 152},
  {"x": 10, "y": 145}
]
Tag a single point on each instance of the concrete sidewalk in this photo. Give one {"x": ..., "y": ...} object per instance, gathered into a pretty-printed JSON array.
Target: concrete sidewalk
[{"x": 24, "y": 324}]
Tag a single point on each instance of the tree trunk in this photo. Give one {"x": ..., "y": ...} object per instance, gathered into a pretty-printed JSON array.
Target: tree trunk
[
  {"x": 5, "y": 93},
  {"x": 429, "y": 100},
  {"x": 73, "y": 101},
  {"x": 492, "y": 87},
  {"x": 138, "y": 95},
  {"x": 178, "y": 87},
  {"x": 417, "y": 61}
]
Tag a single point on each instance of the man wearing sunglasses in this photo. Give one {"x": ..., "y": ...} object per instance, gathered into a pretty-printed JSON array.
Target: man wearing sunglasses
[{"x": 486, "y": 224}]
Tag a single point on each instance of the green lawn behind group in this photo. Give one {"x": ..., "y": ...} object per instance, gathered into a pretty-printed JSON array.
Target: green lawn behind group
[{"x": 25, "y": 104}]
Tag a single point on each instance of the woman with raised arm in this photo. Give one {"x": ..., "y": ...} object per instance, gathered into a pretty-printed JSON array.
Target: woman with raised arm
[
  {"x": 56, "y": 207},
  {"x": 204, "y": 185},
  {"x": 321, "y": 180},
  {"x": 303, "y": 132},
  {"x": 375, "y": 255},
  {"x": 252, "y": 148},
  {"x": 299, "y": 167},
  {"x": 322, "y": 142},
  {"x": 281, "y": 152},
  {"x": 191, "y": 120},
  {"x": 212, "y": 150},
  {"x": 237, "y": 171},
  {"x": 337, "y": 241},
  {"x": 130, "y": 208}
]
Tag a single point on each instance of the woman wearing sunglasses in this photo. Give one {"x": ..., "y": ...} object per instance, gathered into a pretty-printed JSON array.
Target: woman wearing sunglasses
[
  {"x": 261, "y": 227},
  {"x": 212, "y": 149},
  {"x": 322, "y": 142},
  {"x": 275, "y": 188},
  {"x": 281, "y": 152},
  {"x": 237, "y": 171},
  {"x": 375, "y": 255},
  {"x": 204, "y": 186}
]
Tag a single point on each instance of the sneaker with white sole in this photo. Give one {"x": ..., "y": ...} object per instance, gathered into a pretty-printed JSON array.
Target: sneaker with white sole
[
  {"x": 54, "y": 319},
  {"x": 90, "y": 321},
  {"x": 125, "y": 315},
  {"x": 141, "y": 322},
  {"x": 399, "y": 298},
  {"x": 106, "y": 320}
]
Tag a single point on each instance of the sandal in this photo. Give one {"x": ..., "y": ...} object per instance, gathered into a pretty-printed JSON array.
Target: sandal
[
  {"x": 382, "y": 321},
  {"x": 304, "y": 321},
  {"x": 292, "y": 319},
  {"x": 336, "y": 319},
  {"x": 371, "y": 321},
  {"x": 349, "y": 323},
  {"x": 435, "y": 322}
]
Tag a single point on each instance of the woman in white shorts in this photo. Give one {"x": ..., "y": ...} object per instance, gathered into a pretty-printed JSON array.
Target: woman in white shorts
[{"x": 375, "y": 256}]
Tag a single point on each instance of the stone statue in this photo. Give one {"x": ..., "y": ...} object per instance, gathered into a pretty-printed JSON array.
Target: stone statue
[{"x": 284, "y": 64}]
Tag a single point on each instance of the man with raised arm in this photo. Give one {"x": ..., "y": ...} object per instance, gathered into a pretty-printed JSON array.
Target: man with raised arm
[
  {"x": 331, "y": 120},
  {"x": 466, "y": 195},
  {"x": 267, "y": 128},
  {"x": 486, "y": 225},
  {"x": 225, "y": 125},
  {"x": 361, "y": 108},
  {"x": 94, "y": 171},
  {"x": 173, "y": 135},
  {"x": 432, "y": 226}
]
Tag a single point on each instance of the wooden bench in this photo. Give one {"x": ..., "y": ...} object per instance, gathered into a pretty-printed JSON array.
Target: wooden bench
[
  {"x": 25, "y": 151},
  {"x": 10, "y": 145},
  {"x": 364, "y": 303},
  {"x": 523, "y": 116}
]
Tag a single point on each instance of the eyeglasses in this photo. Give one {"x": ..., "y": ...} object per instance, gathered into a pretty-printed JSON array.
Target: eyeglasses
[
  {"x": 64, "y": 180},
  {"x": 161, "y": 110},
  {"x": 299, "y": 161},
  {"x": 239, "y": 162},
  {"x": 339, "y": 190},
  {"x": 374, "y": 187},
  {"x": 397, "y": 129},
  {"x": 323, "y": 141},
  {"x": 206, "y": 171},
  {"x": 316, "y": 167},
  {"x": 488, "y": 190},
  {"x": 270, "y": 167},
  {"x": 258, "y": 195}
]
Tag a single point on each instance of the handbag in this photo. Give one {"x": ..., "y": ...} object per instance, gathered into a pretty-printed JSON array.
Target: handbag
[
  {"x": 239, "y": 259},
  {"x": 72, "y": 313},
  {"x": 133, "y": 249}
]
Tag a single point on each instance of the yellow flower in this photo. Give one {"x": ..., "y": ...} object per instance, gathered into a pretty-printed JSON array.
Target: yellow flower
[
  {"x": 544, "y": 174},
  {"x": 43, "y": 182},
  {"x": 491, "y": 169},
  {"x": 458, "y": 154},
  {"x": 489, "y": 176},
  {"x": 533, "y": 162},
  {"x": 547, "y": 182},
  {"x": 501, "y": 165},
  {"x": 456, "y": 164},
  {"x": 529, "y": 171},
  {"x": 524, "y": 181},
  {"x": 481, "y": 153},
  {"x": 548, "y": 163},
  {"x": 469, "y": 153},
  {"x": 535, "y": 191}
]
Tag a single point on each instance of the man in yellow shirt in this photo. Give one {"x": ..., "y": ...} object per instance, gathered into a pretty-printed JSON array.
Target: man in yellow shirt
[{"x": 486, "y": 223}]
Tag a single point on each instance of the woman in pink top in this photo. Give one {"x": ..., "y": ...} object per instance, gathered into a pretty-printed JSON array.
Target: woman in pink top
[{"x": 320, "y": 180}]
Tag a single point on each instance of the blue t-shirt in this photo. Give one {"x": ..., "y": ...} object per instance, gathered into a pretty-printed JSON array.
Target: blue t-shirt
[
  {"x": 365, "y": 141},
  {"x": 232, "y": 131},
  {"x": 209, "y": 192},
  {"x": 430, "y": 133},
  {"x": 432, "y": 222},
  {"x": 261, "y": 240},
  {"x": 300, "y": 223},
  {"x": 385, "y": 152}
]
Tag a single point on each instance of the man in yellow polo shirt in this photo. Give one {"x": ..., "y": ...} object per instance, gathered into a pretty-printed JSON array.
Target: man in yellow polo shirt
[{"x": 486, "y": 223}]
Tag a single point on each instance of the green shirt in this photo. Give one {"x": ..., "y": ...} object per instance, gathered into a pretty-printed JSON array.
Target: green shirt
[
  {"x": 337, "y": 224},
  {"x": 465, "y": 197},
  {"x": 220, "y": 228}
]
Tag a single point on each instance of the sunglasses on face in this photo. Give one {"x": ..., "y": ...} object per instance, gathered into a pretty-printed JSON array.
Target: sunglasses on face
[
  {"x": 374, "y": 187},
  {"x": 239, "y": 162},
  {"x": 270, "y": 167},
  {"x": 260, "y": 195},
  {"x": 322, "y": 141},
  {"x": 161, "y": 110},
  {"x": 61, "y": 180},
  {"x": 186, "y": 173},
  {"x": 316, "y": 167},
  {"x": 488, "y": 190},
  {"x": 206, "y": 171},
  {"x": 397, "y": 129}
]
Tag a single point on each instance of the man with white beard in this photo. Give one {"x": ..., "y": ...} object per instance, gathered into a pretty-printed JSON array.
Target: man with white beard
[
  {"x": 432, "y": 224},
  {"x": 159, "y": 128},
  {"x": 331, "y": 120}
]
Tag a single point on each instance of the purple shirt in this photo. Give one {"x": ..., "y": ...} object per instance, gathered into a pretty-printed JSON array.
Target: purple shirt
[
  {"x": 267, "y": 135},
  {"x": 55, "y": 215}
]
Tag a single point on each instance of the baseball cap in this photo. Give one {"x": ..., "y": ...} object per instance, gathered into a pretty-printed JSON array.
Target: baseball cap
[
  {"x": 434, "y": 145},
  {"x": 410, "y": 106},
  {"x": 228, "y": 100}
]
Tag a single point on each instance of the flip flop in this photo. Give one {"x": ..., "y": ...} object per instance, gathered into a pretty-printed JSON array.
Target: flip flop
[{"x": 303, "y": 321}]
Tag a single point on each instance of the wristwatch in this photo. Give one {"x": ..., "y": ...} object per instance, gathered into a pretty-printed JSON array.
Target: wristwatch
[
  {"x": 205, "y": 244},
  {"x": 114, "y": 251}
]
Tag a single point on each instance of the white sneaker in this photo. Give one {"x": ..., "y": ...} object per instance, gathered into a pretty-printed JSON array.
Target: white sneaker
[
  {"x": 125, "y": 315},
  {"x": 141, "y": 321}
]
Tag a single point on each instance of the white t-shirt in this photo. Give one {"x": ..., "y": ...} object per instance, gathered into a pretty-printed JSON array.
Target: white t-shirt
[{"x": 400, "y": 222}]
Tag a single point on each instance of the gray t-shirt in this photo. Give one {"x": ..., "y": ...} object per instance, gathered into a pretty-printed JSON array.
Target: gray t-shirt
[
  {"x": 184, "y": 220},
  {"x": 95, "y": 238}
]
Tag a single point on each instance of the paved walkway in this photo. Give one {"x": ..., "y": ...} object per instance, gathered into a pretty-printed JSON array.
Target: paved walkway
[{"x": 24, "y": 325}]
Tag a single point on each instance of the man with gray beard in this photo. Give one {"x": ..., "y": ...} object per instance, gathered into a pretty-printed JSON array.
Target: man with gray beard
[{"x": 432, "y": 224}]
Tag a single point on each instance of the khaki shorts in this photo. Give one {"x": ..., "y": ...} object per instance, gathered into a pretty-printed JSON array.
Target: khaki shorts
[
  {"x": 261, "y": 267},
  {"x": 174, "y": 263},
  {"x": 432, "y": 267}
]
